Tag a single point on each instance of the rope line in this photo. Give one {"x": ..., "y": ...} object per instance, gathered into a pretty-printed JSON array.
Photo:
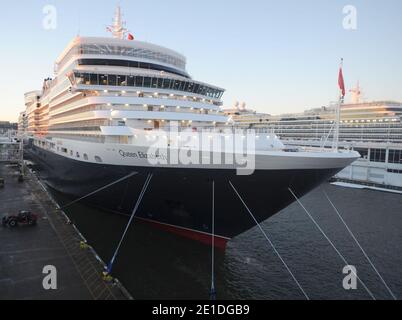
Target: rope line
[
  {"x": 98, "y": 190},
  {"x": 213, "y": 290},
  {"x": 359, "y": 245},
  {"x": 330, "y": 242},
  {"x": 144, "y": 189},
  {"x": 270, "y": 242}
]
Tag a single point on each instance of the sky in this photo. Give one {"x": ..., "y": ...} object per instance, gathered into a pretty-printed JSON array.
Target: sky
[{"x": 277, "y": 56}]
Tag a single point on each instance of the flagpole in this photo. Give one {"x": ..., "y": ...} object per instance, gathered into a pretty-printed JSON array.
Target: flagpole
[
  {"x": 339, "y": 105},
  {"x": 337, "y": 125}
]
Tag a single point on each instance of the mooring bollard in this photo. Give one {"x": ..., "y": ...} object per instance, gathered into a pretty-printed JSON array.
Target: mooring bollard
[
  {"x": 107, "y": 277},
  {"x": 83, "y": 245}
]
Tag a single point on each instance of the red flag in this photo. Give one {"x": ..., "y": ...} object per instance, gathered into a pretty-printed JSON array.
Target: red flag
[
  {"x": 341, "y": 82},
  {"x": 130, "y": 37}
]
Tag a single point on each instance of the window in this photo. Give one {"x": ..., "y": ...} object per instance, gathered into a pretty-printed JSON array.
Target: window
[
  {"x": 377, "y": 155},
  {"x": 112, "y": 80},
  {"x": 395, "y": 156},
  {"x": 181, "y": 85},
  {"x": 166, "y": 84},
  {"x": 98, "y": 159},
  {"x": 154, "y": 82},
  {"x": 143, "y": 65},
  {"x": 71, "y": 153},
  {"x": 121, "y": 81},
  {"x": 147, "y": 82},
  {"x": 78, "y": 78},
  {"x": 87, "y": 79},
  {"x": 201, "y": 90},
  {"x": 394, "y": 171},
  {"x": 363, "y": 152},
  {"x": 130, "y": 81},
  {"x": 139, "y": 81},
  {"x": 103, "y": 79},
  {"x": 131, "y": 64},
  {"x": 94, "y": 79},
  {"x": 86, "y": 156},
  {"x": 127, "y": 51},
  {"x": 78, "y": 155}
]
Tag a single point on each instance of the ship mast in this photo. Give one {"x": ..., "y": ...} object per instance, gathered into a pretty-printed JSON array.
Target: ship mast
[
  {"x": 117, "y": 29},
  {"x": 356, "y": 93}
]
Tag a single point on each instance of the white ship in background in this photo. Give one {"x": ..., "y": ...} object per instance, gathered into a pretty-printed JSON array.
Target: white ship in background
[{"x": 374, "y": 129}]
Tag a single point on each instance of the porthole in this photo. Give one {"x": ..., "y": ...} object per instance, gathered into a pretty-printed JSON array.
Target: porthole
[{"x": 98, "y": 159}]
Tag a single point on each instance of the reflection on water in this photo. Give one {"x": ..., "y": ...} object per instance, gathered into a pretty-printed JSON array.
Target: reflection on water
[{"x": 153, "y": 264}]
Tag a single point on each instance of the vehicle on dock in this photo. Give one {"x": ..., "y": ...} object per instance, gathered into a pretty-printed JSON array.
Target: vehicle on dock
[{"x": 22, "y": 218}]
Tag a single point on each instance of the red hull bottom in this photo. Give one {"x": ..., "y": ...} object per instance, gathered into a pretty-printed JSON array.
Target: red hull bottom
[{"x": 204, "y": 238}]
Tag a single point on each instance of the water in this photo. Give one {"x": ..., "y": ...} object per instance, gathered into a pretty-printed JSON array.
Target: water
[{"x": 153, "y": 264}]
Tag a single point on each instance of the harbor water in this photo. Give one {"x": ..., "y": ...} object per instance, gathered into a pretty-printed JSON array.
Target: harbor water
[{"x": 153, "y": 264}]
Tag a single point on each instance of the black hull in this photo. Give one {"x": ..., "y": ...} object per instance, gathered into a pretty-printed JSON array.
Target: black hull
[{"x": 181, "y": 197}]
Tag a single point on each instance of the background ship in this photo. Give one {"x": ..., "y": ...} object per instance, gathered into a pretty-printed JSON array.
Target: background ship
[{"x": 374, "y": 129}]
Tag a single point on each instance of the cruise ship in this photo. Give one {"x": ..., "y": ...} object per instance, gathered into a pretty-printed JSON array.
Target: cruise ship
[
  {"x": 94, "y": 126},
  {"x": 374, "y": 129}
]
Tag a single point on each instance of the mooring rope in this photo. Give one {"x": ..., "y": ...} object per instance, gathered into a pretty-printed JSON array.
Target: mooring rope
[
  {"x": 144, "y": 189},
  {"x": 124, "y": 195},
  {"x": 359, "y": 245},
  {"x": 98, "y": 190},
  {"x": 270, "y": 242},
  {"x": 330, "y": 242},
  {"x": 213, "y": 290}
]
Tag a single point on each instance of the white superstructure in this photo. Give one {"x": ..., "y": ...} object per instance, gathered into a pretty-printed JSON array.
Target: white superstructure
[{"x": 105, "y": 87}]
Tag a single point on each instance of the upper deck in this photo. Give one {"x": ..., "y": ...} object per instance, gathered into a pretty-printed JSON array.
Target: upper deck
[{"x": 95, "y": 48}]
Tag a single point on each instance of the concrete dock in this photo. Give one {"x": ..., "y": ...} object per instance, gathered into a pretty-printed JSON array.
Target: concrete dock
[{"x": 26, "y": 250}]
